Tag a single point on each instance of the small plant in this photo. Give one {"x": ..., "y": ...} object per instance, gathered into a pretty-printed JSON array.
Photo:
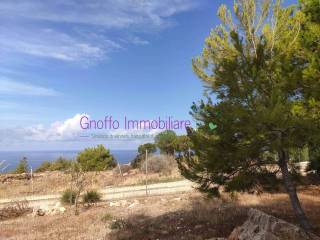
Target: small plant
[
  {"x": 118, "y": 224},
  {"x": 77, "y": 183},
  {"x": 15, "y": 209},
  {"x": 91, "y": 197},
  {"x": 69, "y": 197},
  {"x": 106, "y": 217}
]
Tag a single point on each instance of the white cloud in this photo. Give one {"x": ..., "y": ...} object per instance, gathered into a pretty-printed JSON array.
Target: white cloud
[
  {"x": 81, "y": 31},
  {"x": 57, "y": 131},
  {"x": 51, "y": 44},
  {"x": 106, "y": 13},
  {"x": 68, "y": 130},
  {"x": 18, "y": 88},
  {"x": 138, "y": 41}
]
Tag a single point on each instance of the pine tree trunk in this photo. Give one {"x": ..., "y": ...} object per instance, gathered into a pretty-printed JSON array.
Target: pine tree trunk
[{"x": 292, "y": 192}]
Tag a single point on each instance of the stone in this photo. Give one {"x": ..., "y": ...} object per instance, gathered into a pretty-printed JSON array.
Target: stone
[
  {"x": 198, "y": 226},
  {"x": 133, "y": 204},
  {"x": 57, "y": 205},
  {"x": 46, "y": 210},
  {"x": 114, "y": 204},
  {"x": 62, "y": 209},
  {"x": 261, "y": 226},
  {"x": 40, "y": 212},
  {"x": 217, "y": 238},
  {"x": 176, "y": 199}
]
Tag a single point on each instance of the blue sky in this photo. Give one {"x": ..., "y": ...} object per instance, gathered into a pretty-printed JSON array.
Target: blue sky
[{"x": 60, "y": 59}]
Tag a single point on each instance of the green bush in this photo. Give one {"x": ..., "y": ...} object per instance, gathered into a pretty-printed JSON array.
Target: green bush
[
  {"x": 106, "y": 217},
  {"x": 150, "y": 147},
  {"x": 45, "y": 166},
  {"x": 314, "y": 164},
  {"x": 118, "y": 224},
  {"x": 91, "y": 197},
  {"x": 61, "y": 164},
  {"x": 165, "y": 141},
  {"x": 68, "y": 197},
  {"x": 96, "y": 159},
  {"x": 22, "y": 167}
]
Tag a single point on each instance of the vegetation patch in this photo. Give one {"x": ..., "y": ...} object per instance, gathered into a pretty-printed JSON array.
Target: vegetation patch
[
  {"x": 15, "y": 209},
  {"x": 68, "y": 197},
  {"x": 91, "y": 197}
]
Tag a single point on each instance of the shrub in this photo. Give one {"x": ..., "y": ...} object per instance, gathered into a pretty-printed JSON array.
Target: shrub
[
  {"x": 91, "y": 197},
  {"x": 23, "y": 166},
  {"x": 118, "y": 224},
  {"x": 106, "y": 217},
  {"x": 96, "y": 159},
  {"x": 136, "y": 162},
  {"x": 150, "y": 147},
  {"x": 160, "y": 164},
  {"x": 314, "y": 164},
  {"x": 45, "y": 166},
  {"x": 61, "y": 164},
  {"x": 165, "y": 141},
  {"x": 14, "y": 209},
  {"x": 125, "y": 168},
  {"x": 69, "y": 197}
]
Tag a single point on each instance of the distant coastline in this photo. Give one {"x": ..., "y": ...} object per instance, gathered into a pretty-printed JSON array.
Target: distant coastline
[{"x": 35, "y": 158}]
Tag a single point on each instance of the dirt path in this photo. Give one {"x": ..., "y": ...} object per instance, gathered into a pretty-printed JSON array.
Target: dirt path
[{"x": 110, "y": 193}]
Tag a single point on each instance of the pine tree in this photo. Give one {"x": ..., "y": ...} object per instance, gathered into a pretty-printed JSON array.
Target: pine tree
[
  {"x": 22, "y": 167},
  {"x": 310, "y": 42},
  {"x": 255, "y": 66}
]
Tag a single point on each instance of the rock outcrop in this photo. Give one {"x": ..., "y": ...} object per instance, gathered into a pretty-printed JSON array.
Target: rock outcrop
[
  {"x": 48, "y": 210},
  {"x": 261, "y": 226}
]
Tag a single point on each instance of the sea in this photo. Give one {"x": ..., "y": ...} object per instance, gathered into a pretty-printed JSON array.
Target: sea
[{"x": 35, "y": 158}]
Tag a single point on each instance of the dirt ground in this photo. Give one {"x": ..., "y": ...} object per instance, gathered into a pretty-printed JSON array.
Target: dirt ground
[
  {"x": 180, "y": 216},
  {"x": 57, "y": 182}
]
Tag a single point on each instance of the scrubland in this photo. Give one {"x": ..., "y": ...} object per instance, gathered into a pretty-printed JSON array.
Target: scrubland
[{"x": 184, "y": 216}]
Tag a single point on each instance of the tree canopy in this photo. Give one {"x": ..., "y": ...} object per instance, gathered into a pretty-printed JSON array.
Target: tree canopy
[
  {"x": 150, "y": 147},
  {"x": 182, "y": 145},
  {"x": 310, "y": 39},
  {"x": 96, "y": 159},
  {"x": 165, "y": 141},
  {"x": 267, "y": 100}
]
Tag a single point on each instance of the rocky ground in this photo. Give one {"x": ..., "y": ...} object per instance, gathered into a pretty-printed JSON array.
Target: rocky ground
[{"x": 180, "y": 216}]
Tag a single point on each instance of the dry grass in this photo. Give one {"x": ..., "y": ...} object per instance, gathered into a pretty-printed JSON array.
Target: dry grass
[
  {"x": 279, "y": 205},
  {"x": 87, "y": 225},
  {"x": 183, "y": 216},
  {"x": 199, "y": 220},
  {"x": 14, "y": 210},
  {"x": 57, "y": 182},
  {"x": 161, "y": 164},
  {"x": 91, "y": 223},
  {"x": 205, "y": 218}
]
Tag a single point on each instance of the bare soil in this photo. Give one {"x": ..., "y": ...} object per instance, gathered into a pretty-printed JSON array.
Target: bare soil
[
  {"x": 183, "y": 216},
  {"x": 56, "y": 182}
]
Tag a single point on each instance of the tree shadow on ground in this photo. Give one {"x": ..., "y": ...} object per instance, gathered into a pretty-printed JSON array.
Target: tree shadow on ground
[{"x": 205, "y": 218}]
